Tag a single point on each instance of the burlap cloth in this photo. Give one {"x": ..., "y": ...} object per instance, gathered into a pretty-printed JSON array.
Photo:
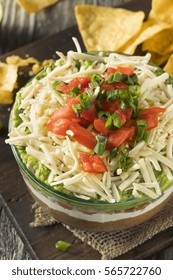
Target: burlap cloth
[{"x": 114, "y": 244}]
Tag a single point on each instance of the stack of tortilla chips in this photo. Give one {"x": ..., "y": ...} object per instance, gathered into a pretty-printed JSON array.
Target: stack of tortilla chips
[{"x": 121, "y": 30}]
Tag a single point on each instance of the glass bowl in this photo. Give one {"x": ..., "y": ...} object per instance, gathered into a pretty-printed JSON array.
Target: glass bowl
[{"x": 91, "y": 214}]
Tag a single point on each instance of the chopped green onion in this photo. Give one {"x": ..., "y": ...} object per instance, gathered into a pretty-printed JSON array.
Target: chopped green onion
[
  {"x": 169, "y": 81},
  {"x": 135, "y": 90},
  {"x": 113, "y": 121},
  {"x": 142, "y": 134},
  {"x": 114, "y": 78},
  {"x": 130, "y": 80},
  {"x": 88, "y": 64},
  {"x": 93, "y": 85},
  {"x": 103, "y": 115},
  {"x": 123, "y": 160},
  {"x": 55, "y": 84},
  {"x": 101, "y": 144},
  {"x": 85, "y": 101},
  {"x": 117, "y": 94},
  {"x": 97, "y": 78},
  {"x": 62, "y": 245},
  {"x": 142, "y": 123},
  {"x": 102, "y": 95},
  {"x": 74, "y": 92},
  {"x": 123, "y": 105},
  {"x": 113, "y": 153},
  {"x": 112, "y": 95},
  {"x": 78, "y": 65},
  {"x": 61, "y": 62},
  {"x": 77, "y": 109}
]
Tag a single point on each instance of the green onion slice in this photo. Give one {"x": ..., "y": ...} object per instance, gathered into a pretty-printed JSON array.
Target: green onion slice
[
  {"x": 101, "y": 144},
  {"x": 62, "y": 245}
]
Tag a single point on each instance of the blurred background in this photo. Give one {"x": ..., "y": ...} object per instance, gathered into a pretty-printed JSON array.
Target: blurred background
[{"x": 18, "y": 27}]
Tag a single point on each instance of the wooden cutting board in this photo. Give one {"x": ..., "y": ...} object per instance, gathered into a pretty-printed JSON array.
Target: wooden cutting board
[{"x": 15, "y": 199}]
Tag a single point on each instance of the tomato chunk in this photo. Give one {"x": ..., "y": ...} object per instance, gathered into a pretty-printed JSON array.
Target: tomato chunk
[
  {"x": 118, "y": 137},
  {"x": 118, "y": 85},
  {"x": 153, "y": 111},
  {"x": 59, "y": 127},
  {"x": 83, "y": 136},
  {"x": 133, "y": 125},
  {"x": 150, "y": 115},
  {"x": 124, "y": 70},
  {"x": 87, "y": 116},
  {"x": 81, "y": 81},
  {"x": 63, "y": 113},
  {"x": 92, "y": 164},
  {"x": 152, "y": 121},
  {"x": 99, "y": 125},
  {"x": 80, "y": 134}
]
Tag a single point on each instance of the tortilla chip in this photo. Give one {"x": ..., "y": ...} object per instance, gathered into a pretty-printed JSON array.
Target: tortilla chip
[
  {"x": 169, "y": 65},
  {"x": 158, "y": 59},
  {"x": 8, "y": 74},
  {"x": 161, "y": 43},
  {"x": 162, "y": 10},
  {"x": 149, "y": 29},
  {"x": 32, "y": 6},
  {"x": 19, "y": 62},
  {"x": 105, "y": 28}
]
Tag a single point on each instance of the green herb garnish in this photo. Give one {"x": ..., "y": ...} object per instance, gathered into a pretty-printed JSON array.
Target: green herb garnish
[
  {"x": 101, "y": 144},
  {"x": 77, "y": 109},
  {"x": 113, "y": 121},
  {"x": 113, "y": 153},
  {"x": 74, "y": 92},
  {"x": 55, "y": 84},
  {"x": 142, "y": 134},
  {"x": 123, "y": 160},
  {"x": 62, "y": 245},
  {"x": 114, "y": 78},
  {"x": 97, "y": 79}
]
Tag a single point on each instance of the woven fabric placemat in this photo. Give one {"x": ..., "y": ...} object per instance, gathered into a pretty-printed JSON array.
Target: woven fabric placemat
[{"x": 114, "y": 244}]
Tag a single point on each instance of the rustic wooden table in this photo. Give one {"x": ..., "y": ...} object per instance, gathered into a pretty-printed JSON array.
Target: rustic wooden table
[{"x": 17, "y": 239}]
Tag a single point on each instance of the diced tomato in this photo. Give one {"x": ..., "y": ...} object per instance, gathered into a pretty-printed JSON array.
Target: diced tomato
[
  {"x": 114, "y": 106},
  {"x": 128, "y": 113},
  {"x": 118, "y": 137},
  {"x": 124, "y": 70},
  {"x": 99, "y": 125},
  {"x": 67, "y": 88},
  {"x": 150, "y": 115},
  {"x": 72, "y": 100},
  {"x": 83, "y": 136},
  {"x": 65, "y": 112},
  {"x": 92, "y": 164},
  {"x": 59, "y": 126},
  {"x": 82, "y": 81},
  {"x": 153, "y": 111},
  {"x": 152, "y": 121},
  {"x": 133, "y": 125},
  {"x": 87, "y": 116},
  {"x": 111, "y": 106},
  {"x": 119, "y": 85}
]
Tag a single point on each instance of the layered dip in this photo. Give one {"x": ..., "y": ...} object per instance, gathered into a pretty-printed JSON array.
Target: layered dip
[{"x": 97, "y": 127}]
